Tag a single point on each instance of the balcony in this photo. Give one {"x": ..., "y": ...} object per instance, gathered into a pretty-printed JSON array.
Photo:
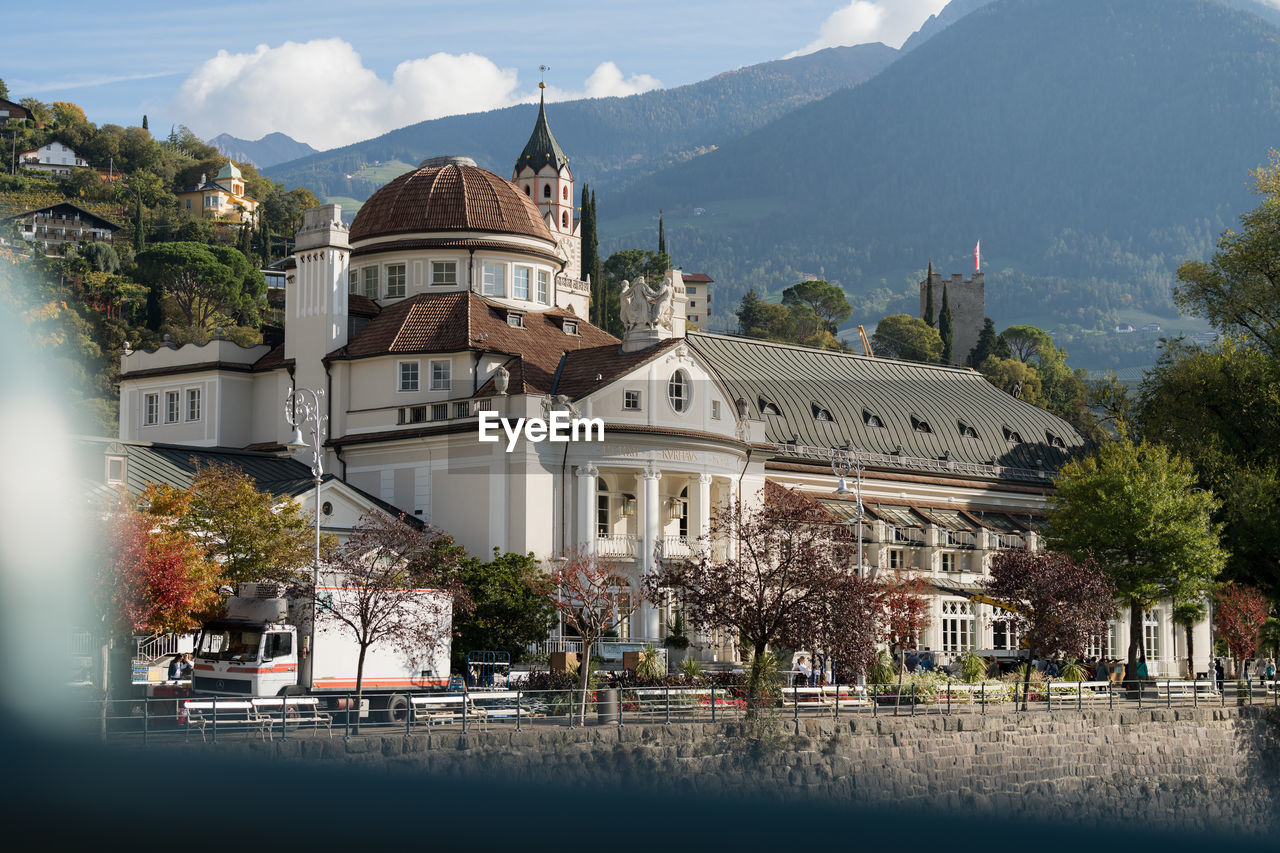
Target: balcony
[
  {"x": 675, "y": 547},
  {"x": 617, "y": 546},
  {"x": 1008, "y": 541},
  {"x": 957, "y": 538},
  {"x": 904, "y": 535}
]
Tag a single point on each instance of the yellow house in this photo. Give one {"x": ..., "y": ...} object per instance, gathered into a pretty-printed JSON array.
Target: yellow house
[{"x": 222, "y": 198}]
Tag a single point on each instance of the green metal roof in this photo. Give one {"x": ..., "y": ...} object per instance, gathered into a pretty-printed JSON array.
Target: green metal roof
[
  {"x": 885, "y": 407},
  {"x": 542, "y": 148}
]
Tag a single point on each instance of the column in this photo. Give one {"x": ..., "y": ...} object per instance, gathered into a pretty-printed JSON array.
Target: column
[
  {"x": 587, "y": 507},
  {"x": 648, "y": 544},
  {"x": 702, "y": 509}
]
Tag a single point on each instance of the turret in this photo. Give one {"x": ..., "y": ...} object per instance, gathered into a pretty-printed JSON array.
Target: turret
[{"x": 542, "y": 173}]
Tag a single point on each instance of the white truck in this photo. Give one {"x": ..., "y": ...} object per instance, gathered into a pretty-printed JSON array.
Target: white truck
[{"x": 263, "y": 648}]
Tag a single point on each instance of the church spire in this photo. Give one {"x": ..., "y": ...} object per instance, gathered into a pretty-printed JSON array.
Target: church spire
[{"x": 542, "y": 148}]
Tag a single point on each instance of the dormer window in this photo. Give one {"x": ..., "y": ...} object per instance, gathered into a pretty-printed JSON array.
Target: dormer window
[
  {"x": 768, "y": 408},
  {"x": 919, "y": 425},
  {"x": 570, "y": 327},
  {"x": 872, "y": 420},
  {"x": 1055, "y": 441},
  {"x": 965, "y": 430},
  {"x": 515, "y": 320},
  {"x": 820, "y": 414},
  {"x": 1012, "y": 435}
]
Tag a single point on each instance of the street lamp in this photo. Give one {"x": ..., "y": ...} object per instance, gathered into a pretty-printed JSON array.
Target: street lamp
[
  {"x": 302, "y": 406},
  {"x": 846, "y": 460}
]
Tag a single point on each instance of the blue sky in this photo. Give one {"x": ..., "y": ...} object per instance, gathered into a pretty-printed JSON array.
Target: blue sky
[{"x": 330, "y": 73}]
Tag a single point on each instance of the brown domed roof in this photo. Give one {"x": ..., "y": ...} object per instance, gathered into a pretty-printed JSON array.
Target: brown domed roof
[{"x": 448, "y": 196}]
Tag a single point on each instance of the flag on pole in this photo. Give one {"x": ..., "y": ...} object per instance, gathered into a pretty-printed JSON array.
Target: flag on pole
[{"x": 977, "y": 256}]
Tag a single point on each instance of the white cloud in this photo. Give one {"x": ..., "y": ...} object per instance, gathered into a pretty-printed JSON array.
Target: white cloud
[
  {"x": 321, "y": 93},
  {"x": 863, "y": 21}
]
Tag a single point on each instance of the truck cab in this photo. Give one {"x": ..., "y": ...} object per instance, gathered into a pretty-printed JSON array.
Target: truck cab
[{"x": 246, "y": 657}]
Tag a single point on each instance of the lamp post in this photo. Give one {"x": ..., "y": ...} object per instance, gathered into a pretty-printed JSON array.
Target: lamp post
[
  {"x": 302, "y": 406},
  {"x": 846, "y": 460}
]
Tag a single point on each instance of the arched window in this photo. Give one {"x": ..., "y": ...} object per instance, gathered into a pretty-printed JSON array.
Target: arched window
[
  {"x": 683, "y": 511},
  {"x": 546, "y": 190},
  {"x": 565, "y": 193},
  {"x": 1055, "y": 441},
  {"x": 872, "y": 420},
  {"x": 679, "y": 391},
  {"x": 767, "y": 407},
  {"x": 820, "y": 413},
  {"x": 528, "y": 190},
  {"x": 920, "y": 425},
  {"x": 1012, "y": 436},
  {"x": 564, "y": 219},
  {"x": 965, "y": 430}
]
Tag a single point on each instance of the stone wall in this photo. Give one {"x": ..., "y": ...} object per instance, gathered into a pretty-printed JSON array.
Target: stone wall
[{"x": 1198, "y": 769}]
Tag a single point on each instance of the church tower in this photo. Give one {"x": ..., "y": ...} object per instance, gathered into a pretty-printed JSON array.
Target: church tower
[{"x": 542, "y": 173}]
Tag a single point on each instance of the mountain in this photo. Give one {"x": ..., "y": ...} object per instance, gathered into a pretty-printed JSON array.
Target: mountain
[
  {"x": 269, "y": 150},
  {"x": 610, "y": 140},
  {"x": 1090, "y": 144}
]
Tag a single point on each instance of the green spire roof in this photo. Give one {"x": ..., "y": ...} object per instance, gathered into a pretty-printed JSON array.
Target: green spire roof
[{"x": 542, "y": 148}]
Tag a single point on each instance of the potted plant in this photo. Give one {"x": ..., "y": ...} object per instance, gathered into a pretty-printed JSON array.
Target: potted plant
[{"x": 677, "y": 641}]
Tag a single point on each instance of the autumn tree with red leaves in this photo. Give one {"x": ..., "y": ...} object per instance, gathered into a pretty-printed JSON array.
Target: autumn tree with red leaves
[
  {"x": 152, "y": 577},
  {"x": 592, "y": 600},
  {"x": 1060, "y": 603},
  {"x": 785, "y": 580},
  {"x": 1240, "y": 612}
]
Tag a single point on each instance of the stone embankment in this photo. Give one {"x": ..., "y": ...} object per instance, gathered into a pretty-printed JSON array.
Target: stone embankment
[{"x": 1201, "y": 769}]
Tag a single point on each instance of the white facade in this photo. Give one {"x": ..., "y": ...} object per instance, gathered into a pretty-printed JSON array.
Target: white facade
[{"x": 52, "y": 157}]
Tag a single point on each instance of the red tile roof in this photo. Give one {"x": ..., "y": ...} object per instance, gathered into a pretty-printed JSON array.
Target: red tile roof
[
  {"x": 697, "y": 278},
  {"x": 459, "y": 321},
  {"x": 586, "y": 370}
]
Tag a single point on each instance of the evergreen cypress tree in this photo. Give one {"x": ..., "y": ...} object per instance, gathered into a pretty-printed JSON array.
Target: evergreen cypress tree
[
  {"x": 985, "y": 346},
  {"x": 946, "y": 329},
  {"x": 928, "y": 290},
  {"x": 662, "y": 236},
  {"x": 590, "y": 253},
  {"x": 144, "y": 122}
]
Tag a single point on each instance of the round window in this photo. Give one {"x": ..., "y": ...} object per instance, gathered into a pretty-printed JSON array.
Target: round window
[{"x": 679, "y": 391}]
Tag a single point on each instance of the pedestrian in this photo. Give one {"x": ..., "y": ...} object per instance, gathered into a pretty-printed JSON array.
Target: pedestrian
[
  {"x": 1219, "y": 673},
  {"x": 1270, "y": 672},
  {"x": 803, "y": 672}
]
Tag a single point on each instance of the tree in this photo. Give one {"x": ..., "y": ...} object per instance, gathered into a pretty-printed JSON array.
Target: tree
[
  {"x": 153, "y": 577},
  {"x": 205, "y": 283},
  {"x": 946, "y": 327},
  {"x": 1061, "y": 603},
  {"x": 592, "y": 602},
  {"x": 101, "y": 256},
  {"x": 512, "y": 606},
  {"x": 908, "y": 338},
  {"x": 662, "y": 236},
  {"x": 1221, "y": 407},
  {"x": 928, "y": 291},
  {"x": 788, "y": 556},
  {"x": 1024, "y": 342},
  {"x": 4, "y": 90},
  {"x": 906, "y": 613},
  {"x": 824, "y": 299},
  {"x": 1240, "y": 612},
  {"x": 253, "y": 535},
  {"x": 399, "y": 588},
  {"x": 986, "y": 346},
  {"x": 1013, "y": 377},
  {"x": 591, "y": 254},
  {"x": 1238, "y": 289},
  {"x": 1135, "y": 509},
  {"x": 1187, "y": 613}
]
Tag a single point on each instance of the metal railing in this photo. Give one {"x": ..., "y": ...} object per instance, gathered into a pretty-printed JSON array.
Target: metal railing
[
  {"x": 155, "y": 646},
  {"x": 239, "y": 718},
  {"x": 608, "y": 650},
  {"x": 914, "y": 463}
]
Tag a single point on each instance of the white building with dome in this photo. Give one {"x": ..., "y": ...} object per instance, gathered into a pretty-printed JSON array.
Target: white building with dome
[{"x": 456, "y": 291}]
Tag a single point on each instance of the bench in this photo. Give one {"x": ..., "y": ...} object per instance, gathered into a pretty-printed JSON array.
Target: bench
[
  {"x": 1182, "y": 689},
  {"x": 298, "y": 710},
  {"x": 239, "y": 713},
  {"x": 500, "y": 704},
  {"x": 445, "y": 708}
]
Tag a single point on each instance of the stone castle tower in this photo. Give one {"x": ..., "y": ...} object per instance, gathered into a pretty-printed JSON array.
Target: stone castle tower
[
  {"x": 542, "y": 173},
  {"x": 968, "y": 299}
]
